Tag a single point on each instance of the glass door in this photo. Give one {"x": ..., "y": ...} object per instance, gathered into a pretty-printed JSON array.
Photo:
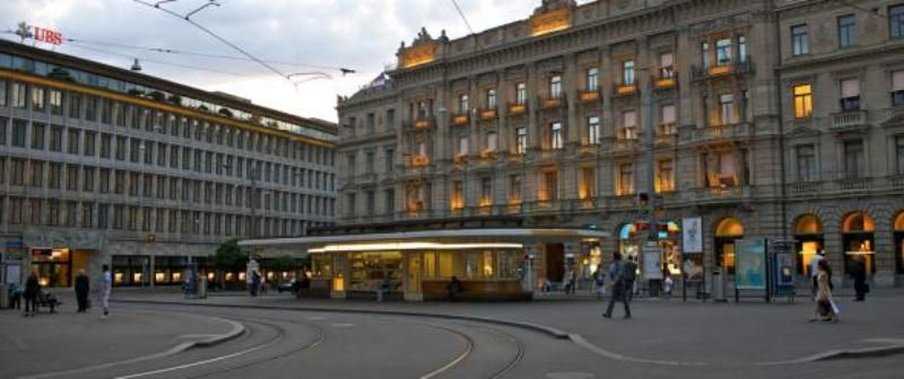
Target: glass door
[{"x": 413, "y": 280}]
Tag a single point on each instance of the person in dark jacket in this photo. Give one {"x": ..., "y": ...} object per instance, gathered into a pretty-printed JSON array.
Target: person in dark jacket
[
  {"x": 454, "y": 288},
  {"x": 82, "y": 287},
  {"x": 859, "y": 275},
  {"x": 32, "y": 288}
]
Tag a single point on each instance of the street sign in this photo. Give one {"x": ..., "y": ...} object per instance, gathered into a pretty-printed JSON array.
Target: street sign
[{"x": 652, "y": 260}]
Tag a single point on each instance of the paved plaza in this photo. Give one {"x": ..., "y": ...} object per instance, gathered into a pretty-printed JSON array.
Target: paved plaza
[{"x": 153, "y": 334}]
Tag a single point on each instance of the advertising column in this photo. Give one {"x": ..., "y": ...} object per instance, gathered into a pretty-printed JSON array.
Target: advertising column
[{"x": 692, "y": 255}]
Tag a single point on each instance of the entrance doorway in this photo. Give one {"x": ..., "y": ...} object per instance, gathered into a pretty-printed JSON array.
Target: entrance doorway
[
  {"x": 555, "y": 262},
  {"x": 808, "y": 241},
  {"x": 728, "y": 231},
  {"x": 857, "y": 233},
  {"x": 54, "y": 267}
]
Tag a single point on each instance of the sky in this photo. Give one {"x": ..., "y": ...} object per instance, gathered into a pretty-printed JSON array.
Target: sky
[{"x": 358, "y": 34}]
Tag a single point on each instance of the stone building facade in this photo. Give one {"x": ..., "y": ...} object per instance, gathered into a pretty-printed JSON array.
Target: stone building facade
[
  {"x": 772, "y": 119},
  {"x": 100, "y": 165}
]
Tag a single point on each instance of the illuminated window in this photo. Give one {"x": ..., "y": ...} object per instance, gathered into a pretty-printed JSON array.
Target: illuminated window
[
  {"x": 803, "y": 101},
  {"x": 665, "y": 180},
  {"x": 458, "y": 201},
  {"x": 549, "y": 187},
  {"x": 515, "y": 189},
  {"x": 625, "y": 182},
  {"x": 521, "y": 140},
  {"x": 587, "y": 188},
  {"x": 486, "y": 192}
]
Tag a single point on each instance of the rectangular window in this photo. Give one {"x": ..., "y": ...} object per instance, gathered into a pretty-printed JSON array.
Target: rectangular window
[
  {"x": 486, "y": 192},
  {"x": 806, "y": 163},
  {"x": 389, "y": 161},
  {"x": 625, "y": 180},
  {"x": 55, "y": 176},
  {"x": 463, "y": 103},
  {"x": 4, "y": 126},
  {"x": 896, "y": 21},
  {"x": 666, "y": 65},
  {"x": 75, "y": 105},
  {"x": 37, "y": 173},
  {"x": 462, "y": 148},
  {"x": 668, "y": 119},
  {"x": 20, "y": 128},
  {"x": 3, "y": 92},
  {"x": 91, "y": 108},
  {"x": 628, "y": 130},
  {"x": 72, "y": 137},
  {"x": 847, "y": 31},
  {"x": 742, "y": 49},
  {"x": 803, "y": 101},
  {"x": 556, "y": 136},
  {"x": 850, "y": 95},
  {"x": 593, "y": 130},
  {"x": 105, "y": 145},
  {"x": 457, "y": 200},
  {"x": 37, "y": 136},
  {"x": 723, "y": 52},
  {"x": 491, "y": 99},
  {"x": 18, "y": 95},
  {"x": 854, "y": 159},
  {"x": 628, "y": 73},
  {"x": 555, "y": 86},
  {"x": 587, "y": 187},
  {"x": 521, "y": 93},
  {"x": 87, "y": 215},
  {"x": 55, "y": 98},
  {"x": 549, "y": 187},
  {"x": 593, "y": 79},
  {"x": 492, "y": 142},
  {"x": 72, "y": 177},
  {"x": 56, "y": 138},
  {"x": 90, "y": 138},
  {"x": 121, "y": 148},
  {"x": 897, "y": 88},
  {"x": 515, "y": 189},
  {"x": 665, "y": 178},
  {"x": 38, "y": 99},
  {"x": 721, "y": 169},
  {"x": 727, "y": 113},
  {"x": 103, "y": 216},
  {"x": 88, "y": 183},
  {"x": 521, "y": 140},
  {"x": 800, "y": 42}
]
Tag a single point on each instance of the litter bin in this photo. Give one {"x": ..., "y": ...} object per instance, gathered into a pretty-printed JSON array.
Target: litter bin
[
  {"x": 718, "y": 286},
  {"x": 201, "y": 290},
  {"x": 4, "y": 296}
]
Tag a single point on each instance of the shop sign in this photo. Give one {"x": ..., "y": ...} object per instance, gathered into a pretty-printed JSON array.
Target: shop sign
[
  {"x": 692, "y": 235},
  {"x": 39, "y": 34}
]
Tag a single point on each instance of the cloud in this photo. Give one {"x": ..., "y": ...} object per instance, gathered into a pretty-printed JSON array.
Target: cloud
[{"x": 359, "y": 34}]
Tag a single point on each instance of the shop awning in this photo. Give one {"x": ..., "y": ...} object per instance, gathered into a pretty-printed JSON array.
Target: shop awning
[{"x": 494, "y": 235}]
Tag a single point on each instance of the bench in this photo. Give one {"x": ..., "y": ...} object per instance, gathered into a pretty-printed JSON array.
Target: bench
[{"x": 49, "y": 300}]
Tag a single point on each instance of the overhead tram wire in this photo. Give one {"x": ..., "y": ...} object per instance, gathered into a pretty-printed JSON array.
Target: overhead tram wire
[
  {"x": 214, "y": 35},
  {"x": 189, "y": 67},
  {"x": 462, "y": 14}
]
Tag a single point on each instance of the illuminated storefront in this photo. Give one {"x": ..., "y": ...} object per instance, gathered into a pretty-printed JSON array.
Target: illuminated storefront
[
  {"x": 418, "y": 266},
  {"x": 899, "y": 244},
  {"x": 809, "y": 242},
  {"x": 728, "y": 231},
  {"x": 858, "y": 241}
]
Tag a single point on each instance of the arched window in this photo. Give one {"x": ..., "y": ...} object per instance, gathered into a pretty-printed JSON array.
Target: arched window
[
  {"x": 857, "y": 240},
  {"x": 809, "y": 238},
  {"x": 727, "y": 231},
  {"x": 627, "y": 245}
]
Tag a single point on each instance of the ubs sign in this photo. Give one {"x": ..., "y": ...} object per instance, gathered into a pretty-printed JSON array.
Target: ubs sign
[{"x": 39, "y": 34}]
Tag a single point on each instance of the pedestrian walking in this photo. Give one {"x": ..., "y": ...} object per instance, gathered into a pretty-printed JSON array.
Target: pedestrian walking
[
  {"x": 630, "y": 277},
  {"x": 82, "y": 287},
  {"x": 255, "y": 282},
  {"x": 826, "y": 310},
  {"x": 814, "y": 272},
  {"x": 32, "y": 289},
  {"x": 454, "y": 288},
  {"x": 858, "y": 273},
  {"x": 667, "y": 284},
  {"x": 619, "y": 289},
  {"x": 106, "y": 289},
  {"x": 570, "y": 280}
]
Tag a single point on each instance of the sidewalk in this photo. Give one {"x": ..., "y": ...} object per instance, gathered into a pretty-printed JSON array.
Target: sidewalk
[
  {"x": 68, "y": 340},
  {"x": 661, "y": 330}
]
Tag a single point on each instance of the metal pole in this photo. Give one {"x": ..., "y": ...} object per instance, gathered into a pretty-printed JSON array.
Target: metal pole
[{"x": 649, "y": 148}]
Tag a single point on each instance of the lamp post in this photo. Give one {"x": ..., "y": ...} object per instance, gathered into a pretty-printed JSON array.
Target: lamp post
[{"x": 649, "y": 145}]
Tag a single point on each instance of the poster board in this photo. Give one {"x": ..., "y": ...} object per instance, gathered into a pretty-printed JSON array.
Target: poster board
[
  {"x": 750, "y": 264},
  {"x": 692, "y": 235},
  {"x": 652, "y": 261}
]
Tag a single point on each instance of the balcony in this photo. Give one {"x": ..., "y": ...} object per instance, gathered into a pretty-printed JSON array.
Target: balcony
[
  {"x": 804, "y": 188},
  {"x": 622, "y": 90},
  {"x": 416, "y": 161},
  {"x": 849, "y": 121},
  {"x": 732, "y": 194},
  {"x": 625, "y": 145},
  {"x": 488, "y": 114},
  {"x": 461, "y": 119},
  {"x": 517, "y": 109},
  {"x": 488, "y": 154},
  {"x": 666, "y": 81},
  {"x": 589, "y": 96},
  {"x": 424, "y": 123},
  {"x": 552, "y": 102},
  {"x": 460, "y": 159},
  {"x": 588, "y": 149},
  {"x": 721, "y": 70},
  {"x": 853, "y": 184},
  {"x": 717, "y": 133}
]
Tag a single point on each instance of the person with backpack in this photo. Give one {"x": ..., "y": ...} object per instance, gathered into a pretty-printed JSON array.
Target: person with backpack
[
  {"x": 630, "y": 277},
  {"x": 619, "y": 286}
]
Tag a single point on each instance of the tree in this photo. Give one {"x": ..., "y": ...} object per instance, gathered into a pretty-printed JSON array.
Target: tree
[{"x": 229, "y": 258}]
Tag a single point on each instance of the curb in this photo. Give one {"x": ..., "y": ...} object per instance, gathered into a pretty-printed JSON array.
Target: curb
[
  {"x": 237, "y": 330},
  {"x": 552, "y": 332}
]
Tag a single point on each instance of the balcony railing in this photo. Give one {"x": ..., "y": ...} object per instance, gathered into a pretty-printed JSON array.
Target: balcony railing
[
  {"x": 460, "y": 119},
  {"x": 517, "y": 109},
  {"x": 589, "y": 96},
  {"x": 625, "y": 145},
  {"x": 418, "y": 161},
  {"x": 804, "y": 188},
  {"x": 487, "y": 114},
  {"x": 722, "y": 132},
  {"x": 849, "y": 120},
  {"x": 552, "y": 102},
  {"x": 666, "y": 80},
  {"x": 854, "y": 184},
  {"x": 626, "y": 90},
  {"x": 724, "y": 69},
  {"x": 424, "y": 123}
]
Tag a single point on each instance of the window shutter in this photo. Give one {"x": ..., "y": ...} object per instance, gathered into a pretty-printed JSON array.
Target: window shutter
[
  {"x": 666, "y": 60},
  {"x": 850, "y": 88},
  {"x": 668, "y": 114},
  {"x": 630, "y": 119}
]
